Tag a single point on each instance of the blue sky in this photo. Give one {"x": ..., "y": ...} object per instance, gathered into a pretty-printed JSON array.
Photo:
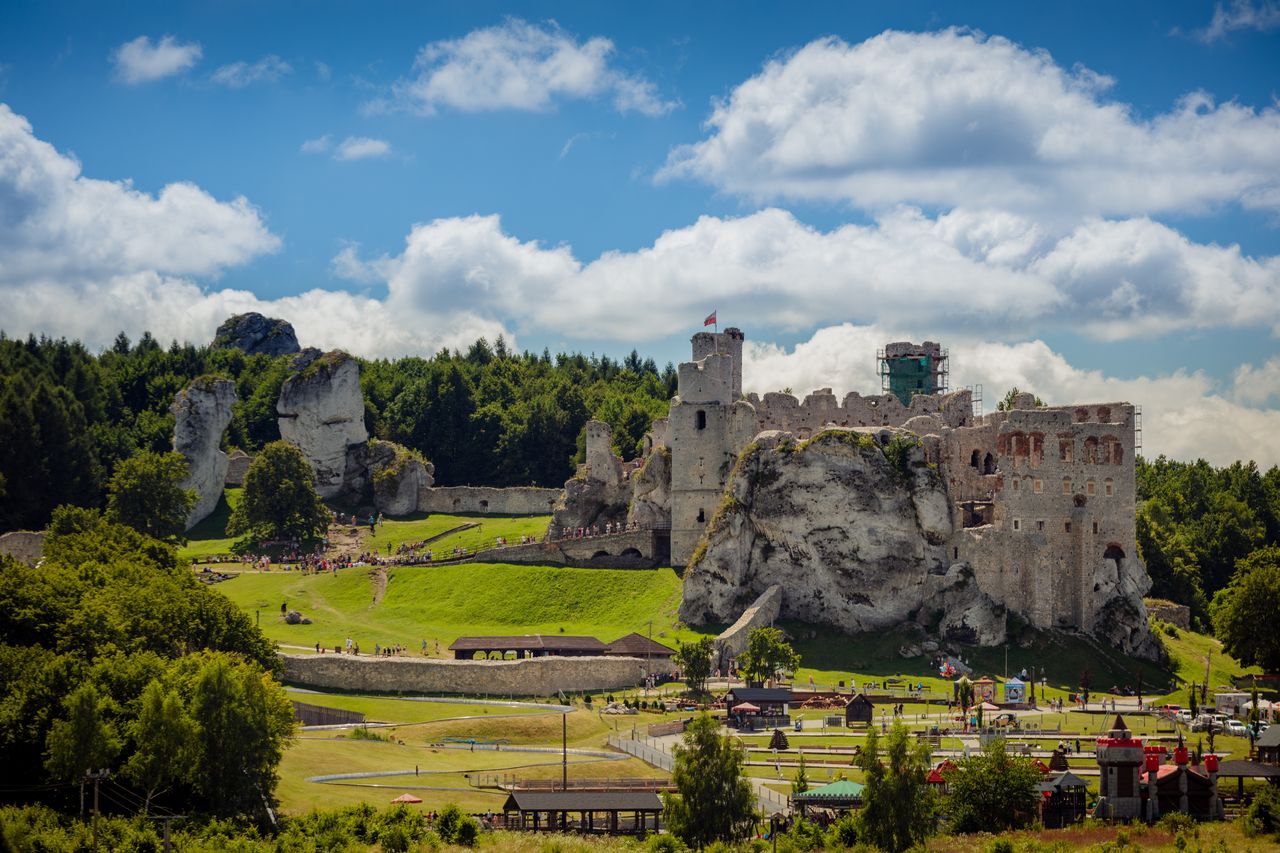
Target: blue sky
[{"x": 1082, "y": 199}]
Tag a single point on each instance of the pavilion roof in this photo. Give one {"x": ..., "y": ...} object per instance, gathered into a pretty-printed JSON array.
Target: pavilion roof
[
  {"x": 638, "y": 646},
  {"x": 529, "y": 642},
  {"x": 599, "y": 801},
  {"x": 841, "y": 789}
]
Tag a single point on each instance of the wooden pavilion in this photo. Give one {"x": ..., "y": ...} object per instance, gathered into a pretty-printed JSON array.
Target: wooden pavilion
[
  {"x": 840, "y": 796},
  {"x": 1240, "y": 770},
  {"x": 526, "y": 646},
  {"x": 604, "y": 812},
  {"x": 1268, "y": 746},
  {"x": 1063, "y": 800}
]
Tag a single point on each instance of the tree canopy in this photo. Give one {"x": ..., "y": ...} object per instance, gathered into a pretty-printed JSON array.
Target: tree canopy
[
  {"x": 767, "y": 654},
  {"x": 1246, "y": 614},
  {"x": 279, "y": 499},
  {"x": 993, "y": 791},
  {"x": 145, "y": 493},
  {"x": 897, "y": 804},
  {"x": 714, "y": 801},
  {"x": 694, "y": 661}
]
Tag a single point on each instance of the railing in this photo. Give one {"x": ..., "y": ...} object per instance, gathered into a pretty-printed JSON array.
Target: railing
[{"x": 642, "y": 750}]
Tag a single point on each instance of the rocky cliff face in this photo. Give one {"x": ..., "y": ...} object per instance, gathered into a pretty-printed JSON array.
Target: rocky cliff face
[
  {"x": 255, "y": 333},
  {"x": 201, "y": 413},
  {"x": 853, "y": 530},
  {"x": 651, "y": 491},
  {"x": 321, "y": 411},
  {"x": 390, "y": 475}
]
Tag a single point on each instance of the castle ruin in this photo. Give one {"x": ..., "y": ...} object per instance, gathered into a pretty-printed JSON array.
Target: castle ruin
[{"x": 1041, "y": 499}]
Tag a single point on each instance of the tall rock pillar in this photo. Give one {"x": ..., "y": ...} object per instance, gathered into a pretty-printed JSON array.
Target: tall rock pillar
[{"x": 201, "y": 413}]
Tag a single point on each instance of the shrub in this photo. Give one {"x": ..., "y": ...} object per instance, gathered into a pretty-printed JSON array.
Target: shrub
[
  {"x": 1000, "y": 845},
  {"x": 666, "y": 844},
  {"x": 1264, "y": 813}
]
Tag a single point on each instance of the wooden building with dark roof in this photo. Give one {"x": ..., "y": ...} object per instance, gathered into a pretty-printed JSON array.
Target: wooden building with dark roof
[
  {"x": 527, "y": 646},
  {"x": 635, "y": 645},
  {"x": 610, "y": 812}
]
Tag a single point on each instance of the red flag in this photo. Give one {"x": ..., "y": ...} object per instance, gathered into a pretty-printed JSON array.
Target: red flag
[{"x": 711, "y": 319}]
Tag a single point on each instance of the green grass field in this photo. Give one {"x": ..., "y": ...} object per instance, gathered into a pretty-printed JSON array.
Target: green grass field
[{"x": 441, "y": 603}]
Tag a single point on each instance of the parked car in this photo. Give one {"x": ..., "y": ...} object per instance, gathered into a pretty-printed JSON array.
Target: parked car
[
  {"x": 1203, "y": 722},
  {"x": 1183, "y": 716},
  {"x": 1236, "y": 728}
]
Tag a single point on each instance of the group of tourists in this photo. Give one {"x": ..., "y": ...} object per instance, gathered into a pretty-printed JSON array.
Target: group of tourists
[{"x": 596, "y": 530}]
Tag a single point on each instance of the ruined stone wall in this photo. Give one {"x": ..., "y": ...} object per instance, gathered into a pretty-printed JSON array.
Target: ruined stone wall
[
  {"x": 23, "y": 545},
  {"x": 727, "y": 343},
  {"x": 821, "y": 409},
  {"x": 487, "y": 500},
  {"x": 531, "y": 677}
]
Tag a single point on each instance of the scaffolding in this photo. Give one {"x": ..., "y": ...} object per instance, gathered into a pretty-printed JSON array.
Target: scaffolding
[
  {"x": 1137, "y": 430},
  {"x": 909, "y": 369},
  {"x": 975, "y": 396}
]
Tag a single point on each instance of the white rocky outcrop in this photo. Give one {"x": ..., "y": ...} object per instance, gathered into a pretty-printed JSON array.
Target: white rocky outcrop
[
  {"x": 201, "y": 413},
  {"x": 321, "y": 411},
  {"x": 853, "y": 528},
  {"x": 651, "y": 491}
]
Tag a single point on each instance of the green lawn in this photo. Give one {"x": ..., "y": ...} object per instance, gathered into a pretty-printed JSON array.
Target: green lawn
[
  {"x": 389, "y": 709},
  {"x": 441, "y": 603},
  {"x": 209, "y": 537},
  {"x": 396, "y": 532}
]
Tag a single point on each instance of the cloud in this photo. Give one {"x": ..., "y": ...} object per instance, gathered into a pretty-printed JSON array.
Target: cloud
[
  {"x": 1185, "y": 414},
  {"x": 322, "y": 71},
  {"x": 60, "y": 225},
  {"x": 522, "y": 66},
  {"x": 955, "y": 118},
  {"x": 351, "y": 148},
  {"x": 237, "y": 75},
  {"x": 1257, "y": 385},
  {"x": 983, "y": 272},
  {"x": 1241, "y": 15},
  {"x": 139, "y": 61}
]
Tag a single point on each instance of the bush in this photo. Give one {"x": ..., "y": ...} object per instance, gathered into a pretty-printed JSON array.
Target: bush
[
  {"x": 1264, "y": 812},
  {"x": 1000, "y": 845},
  {"x": 804, "y": 835},
  {"x": 666, "y": 844},
  {"x": 1176, "y": 822},
  {"x": 468, "y": 832}
]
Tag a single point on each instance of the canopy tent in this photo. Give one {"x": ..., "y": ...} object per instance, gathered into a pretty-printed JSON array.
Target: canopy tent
[
  {"x": 987, "y": 706},
  {"x": 407, "y": 798},
  {"x": 841, "y": 794},
  {"x": 745, "y": 707}
]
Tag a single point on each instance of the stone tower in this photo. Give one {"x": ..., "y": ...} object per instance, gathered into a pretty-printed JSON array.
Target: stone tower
[
  {"x": 908, "y": 369},
  {"x": 708, "y": 425},
  {"x": 1120, "y": 760}
]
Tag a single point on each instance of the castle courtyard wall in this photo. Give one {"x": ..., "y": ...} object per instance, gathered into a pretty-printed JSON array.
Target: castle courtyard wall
[{"x": 486, "y": 500}]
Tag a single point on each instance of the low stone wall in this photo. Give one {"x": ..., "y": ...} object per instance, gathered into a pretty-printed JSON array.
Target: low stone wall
[
  {"x": 237, "y": 466},
  {"x": 635, "y": 549},
  {"x": 530, "y": 677},
  {"x": 485, "y": 500},
  {"x": 23, "y": 545},
  {"x": 1178, "y": 615},
  {"x": 761, "y": 614}
]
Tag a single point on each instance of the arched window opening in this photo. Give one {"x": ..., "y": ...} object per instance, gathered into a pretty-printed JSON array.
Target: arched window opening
[
  {"x": 1113, "y": 552},
  {"x": 1104, "y": 415},
  {"x": 988, "y": 464},
  {"x": 1091, "y": 450},
  {"x": 1082, "y": 415},
  {"x": 1065, "y": 446},
  {"x": 976, "y": 459}
]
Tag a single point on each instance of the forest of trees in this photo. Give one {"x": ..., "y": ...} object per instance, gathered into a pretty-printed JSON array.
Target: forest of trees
[{"x": 486, "y": 416}]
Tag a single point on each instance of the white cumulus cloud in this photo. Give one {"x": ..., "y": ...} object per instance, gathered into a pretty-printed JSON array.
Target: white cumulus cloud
[
  {"x": 140, "y": 61},
  {"x": 361, "y": 148},
  {"x": 955, "y": 118},
  {"x": 523, "y": 66},
  {"x": 237, "y": 75},
  {"x": 1241, "y": 15}
]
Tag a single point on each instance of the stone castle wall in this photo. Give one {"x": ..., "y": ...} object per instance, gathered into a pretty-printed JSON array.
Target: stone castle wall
[
  {"x": 531, "y": 677},
  {"x": 820, "y": 409},
  {"x": 487, "y": 500}
]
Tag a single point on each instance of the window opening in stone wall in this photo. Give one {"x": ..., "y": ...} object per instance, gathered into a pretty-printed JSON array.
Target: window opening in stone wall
[
  {"x": 1066, "y": 487},
  {"x": 955, "y": 553},
  {"x": 1039, "y": 525},
  {"x": 1037, "y": 449},
  {"x": 1090, "y": 488},
  {"x": 1108, "y": 488},
  {"x": 1016, "y": 483},
  {"x": 701, "y": 420},
  {"x": 1091, "y": 450},
  {"x": 702, "y": 515},
  {"x": 976, "y": 459},
  {"x": 1017, "y": 524},
  {"x": 1064, "y": 450},
  {"x": 988, "y": 464},
  {"x": 1095, "y": 527},
  {"x": 1082, "y": 416},
  {"x": 1113, "y": 552},
  {"x": 1068, "y": 527},
  {"x": 1104, "y": 415},
  {"x": 1038, "y": 486}
]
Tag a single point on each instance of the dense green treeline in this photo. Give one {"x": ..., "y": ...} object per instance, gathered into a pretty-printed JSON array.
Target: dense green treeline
[
  {"x": 113, "y": 656},
  {"x": 486, "y": 416},
  {"x": 1196, "y": 522}
]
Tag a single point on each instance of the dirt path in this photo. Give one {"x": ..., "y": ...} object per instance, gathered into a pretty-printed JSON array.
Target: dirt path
[{"x": 378, "y": 575}]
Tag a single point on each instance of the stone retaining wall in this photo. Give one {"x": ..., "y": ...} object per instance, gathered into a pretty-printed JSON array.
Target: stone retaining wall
[
  {"x": 531, "y": 677},
  {"x": 761, "y": 614},
  {"x": 1178, "y": 615},
  {"x": 23, "y": 545},
  {"x": 634, "y": 549},
  {"x": 486, "y": 500}
]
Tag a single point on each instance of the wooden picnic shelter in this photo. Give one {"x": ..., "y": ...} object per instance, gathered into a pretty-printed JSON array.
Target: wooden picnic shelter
[
  {"x": 604, "y": 812},
  {"x": 1063, "y": 800},
  {"x": 1240, "y": 770},
  {"x": 840, "y": 796},
  {"x": 1268, "y": 746},
  {"x": 859, "y": 709},
  {"x": 527, "y": 646}
]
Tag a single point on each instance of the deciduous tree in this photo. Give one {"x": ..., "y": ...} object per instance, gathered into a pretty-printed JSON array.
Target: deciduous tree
[
  {"x": 145, "y": 493},
  {"x": 767, "y": 654},
  {"x": 1245, "y": 616},
  {"x": 714, "y": 799},
  {"x": 992, "y": 791},
  {"x": 279, "y": 499},
  {"x": 694, "y": 661},
  {"x": 897, "y": 805}
]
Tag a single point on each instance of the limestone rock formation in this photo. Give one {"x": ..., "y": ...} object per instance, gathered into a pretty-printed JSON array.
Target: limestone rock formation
[
  {"x": 396, "y": 475},
  {"x": 201, "y": 412},
  {"x": 321, "y": 411},
  {"x": 598, "y": 494},
  {"x": 26, "y": 546},
  {"x": 255, "y": 333},
  {"x": 853, "y": 528},
  {"x": 651, "y": 491}
]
